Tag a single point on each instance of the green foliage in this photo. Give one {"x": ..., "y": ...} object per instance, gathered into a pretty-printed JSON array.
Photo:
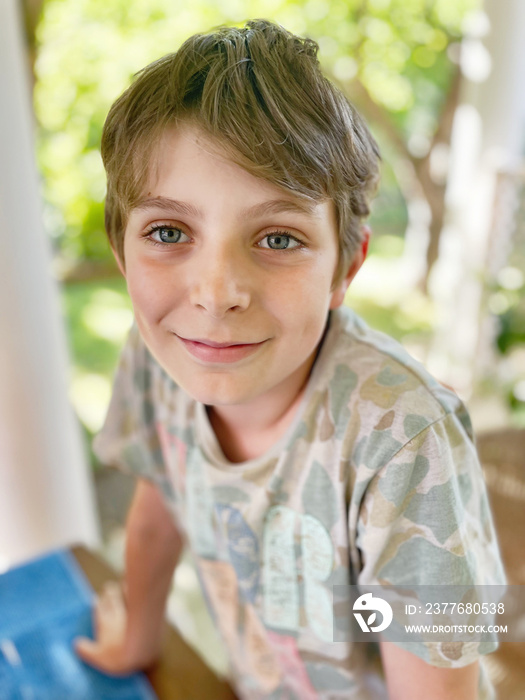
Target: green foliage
[
  {"x": 101, "y": 315},
  {"x": 507, "y": 302},
  {"x": 90, "y": 49},
  {"x": 98, "y": 316}
]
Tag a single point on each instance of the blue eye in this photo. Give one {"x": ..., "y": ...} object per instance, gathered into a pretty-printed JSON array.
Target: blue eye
[
  {"x": 167, "y": 234},
  {"x": 280, "y": 241}
]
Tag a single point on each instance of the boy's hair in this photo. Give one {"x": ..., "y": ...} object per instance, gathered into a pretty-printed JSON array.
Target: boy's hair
[{"x": 260, "y": 93}]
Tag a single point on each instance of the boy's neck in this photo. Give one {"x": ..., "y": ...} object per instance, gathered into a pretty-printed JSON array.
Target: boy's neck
[{"x": 246, "y": 431}]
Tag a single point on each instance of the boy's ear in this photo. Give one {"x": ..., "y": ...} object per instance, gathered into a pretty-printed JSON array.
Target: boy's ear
[{"x": 339, "y": 291}]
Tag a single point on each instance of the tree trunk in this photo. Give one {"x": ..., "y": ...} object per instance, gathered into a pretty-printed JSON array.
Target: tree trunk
[
  {"x": 31, "y": 11},
  {"x": 414, "y": 175}
]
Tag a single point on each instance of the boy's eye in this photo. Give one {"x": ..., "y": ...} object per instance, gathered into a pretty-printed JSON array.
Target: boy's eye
[
  {"x": 279, "y": 241},
  {"x": 167, "y": 234}
]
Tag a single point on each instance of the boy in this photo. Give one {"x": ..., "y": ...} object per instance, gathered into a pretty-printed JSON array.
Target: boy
[{"x": 293, "y": 447}]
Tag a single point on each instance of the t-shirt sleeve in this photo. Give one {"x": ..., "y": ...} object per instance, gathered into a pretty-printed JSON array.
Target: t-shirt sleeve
[
  {"x": 129, "y": 439},
  {"x": 424, "y": 520}
]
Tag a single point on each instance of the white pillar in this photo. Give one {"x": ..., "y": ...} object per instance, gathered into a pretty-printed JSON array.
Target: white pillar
[
  {"x": 487, "y": 138},
  {"x": 46, "y": 493}
]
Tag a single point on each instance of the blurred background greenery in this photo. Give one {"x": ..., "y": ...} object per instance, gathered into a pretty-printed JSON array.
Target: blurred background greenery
[{"x": 396, "y": 59}]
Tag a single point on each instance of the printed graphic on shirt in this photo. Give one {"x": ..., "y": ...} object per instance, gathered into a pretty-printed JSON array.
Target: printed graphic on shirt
[
  {"x": 281, "y": 595},
  {"x": 199, "y": 506},
  {"x": 317, "y": 558},
  {"x": 243, "y": 550}
]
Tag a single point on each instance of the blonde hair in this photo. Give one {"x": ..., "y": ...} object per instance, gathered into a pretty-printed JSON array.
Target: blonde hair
[{"x": 260, "y": 93}]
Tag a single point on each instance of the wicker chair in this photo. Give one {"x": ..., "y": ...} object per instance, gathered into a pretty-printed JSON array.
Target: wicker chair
[{"x": 502, "y": 455}]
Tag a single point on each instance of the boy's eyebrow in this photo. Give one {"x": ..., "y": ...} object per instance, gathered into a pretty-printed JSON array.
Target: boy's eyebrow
[{"x": 274, "y": 206}]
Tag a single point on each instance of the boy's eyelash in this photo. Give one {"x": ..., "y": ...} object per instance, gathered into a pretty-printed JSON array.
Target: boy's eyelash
[
  {"x": 159, "y": 227},
  {"x": 288, "y": 235}
]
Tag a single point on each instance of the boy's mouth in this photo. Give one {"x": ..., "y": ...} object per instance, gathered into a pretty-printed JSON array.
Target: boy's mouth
[
  {"x": 213, "y": 344},
  {"x": 213, "y": 351}
]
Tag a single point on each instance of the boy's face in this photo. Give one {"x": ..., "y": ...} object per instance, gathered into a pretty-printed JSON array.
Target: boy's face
[{"x": 230, "y": 277}]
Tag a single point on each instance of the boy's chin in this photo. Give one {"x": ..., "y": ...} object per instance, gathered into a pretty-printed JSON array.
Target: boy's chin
[{"x": 223, "y": 394}]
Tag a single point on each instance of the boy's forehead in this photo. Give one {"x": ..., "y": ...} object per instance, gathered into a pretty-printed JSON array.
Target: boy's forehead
[
  {"x": 181, "y": 147},
  {"x": 174, "y": 138},
  {"x": 185, "y": 141}
]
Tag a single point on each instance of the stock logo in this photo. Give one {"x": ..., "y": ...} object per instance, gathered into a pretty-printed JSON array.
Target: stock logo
[{"x": 367, "y": 602}]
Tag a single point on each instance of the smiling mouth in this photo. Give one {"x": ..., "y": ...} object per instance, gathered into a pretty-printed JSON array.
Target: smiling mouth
[
  {"x": 213, "y": 344},
  {"x": 210, "y": 351}
]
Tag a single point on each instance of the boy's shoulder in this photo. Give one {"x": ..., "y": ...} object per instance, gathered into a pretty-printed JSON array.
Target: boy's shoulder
[{"x": 373, "y": 374}]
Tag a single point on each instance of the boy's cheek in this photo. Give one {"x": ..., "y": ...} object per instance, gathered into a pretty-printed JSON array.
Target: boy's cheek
[{"x": 147, "y": 302}]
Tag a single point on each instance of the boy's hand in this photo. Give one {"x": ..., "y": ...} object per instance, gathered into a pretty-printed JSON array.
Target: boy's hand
[
  {"x": 110, "y": 651},
  {"x": 129, "y": 635}
]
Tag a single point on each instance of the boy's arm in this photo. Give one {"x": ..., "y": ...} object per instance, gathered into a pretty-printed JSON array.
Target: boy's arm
[
  {"x": 410, "y": 678},
  {"x": 129, "y": 638}
]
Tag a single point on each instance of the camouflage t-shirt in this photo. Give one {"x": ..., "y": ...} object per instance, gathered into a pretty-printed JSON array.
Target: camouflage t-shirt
[{"x": 375, "y": 481}]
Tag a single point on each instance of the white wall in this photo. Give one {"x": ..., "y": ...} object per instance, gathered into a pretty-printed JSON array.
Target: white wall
[
  {"x": 488, "y": 137},
  {"x": 46, "y": 494}
]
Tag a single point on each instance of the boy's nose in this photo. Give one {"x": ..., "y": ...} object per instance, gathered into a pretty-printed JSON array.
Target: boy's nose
[{"x": 220, "y": 286}]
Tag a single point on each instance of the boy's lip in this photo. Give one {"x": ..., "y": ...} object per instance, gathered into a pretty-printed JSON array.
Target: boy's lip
[
  {"x": 214, "y": 344},
  {"x": 211, "y": 351}
]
